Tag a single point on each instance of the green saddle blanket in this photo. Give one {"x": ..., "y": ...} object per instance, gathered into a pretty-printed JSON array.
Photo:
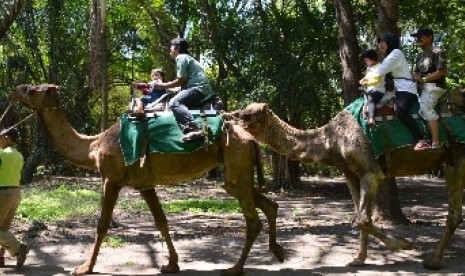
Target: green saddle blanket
[
  {"x": 164, "y": 135},
  {"x": 393, "y": 134}
]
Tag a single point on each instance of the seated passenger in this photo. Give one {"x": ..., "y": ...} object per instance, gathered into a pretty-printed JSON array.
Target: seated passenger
[
  {"x": 150, "y": 93},
  {"x": 430, "y": 74},
  {"x": 374, "y": 85},
  {"x": 195, "y": 87}
]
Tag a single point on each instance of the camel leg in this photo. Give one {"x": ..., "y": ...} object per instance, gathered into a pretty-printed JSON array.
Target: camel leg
[
  {"x": 109, "y": 196},
  {"x": 253, "y": 224},
  {"x": 363, "y": 199},
  {"x": 270, "y": 209},
  {"x": 353, "y": 183},
  {"x": 455, "y": 183},
  {"x": 161, "y": 223}
]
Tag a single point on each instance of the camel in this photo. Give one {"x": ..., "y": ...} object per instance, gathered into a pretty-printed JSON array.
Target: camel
[
  {"x": 101, "y": 152},
  {"x": 342, "y": 143}
]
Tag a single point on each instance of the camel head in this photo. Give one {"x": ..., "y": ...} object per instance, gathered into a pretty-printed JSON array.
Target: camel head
[
  {"x": 253, "y": 118},
  {"x": 37, "y": 97}
]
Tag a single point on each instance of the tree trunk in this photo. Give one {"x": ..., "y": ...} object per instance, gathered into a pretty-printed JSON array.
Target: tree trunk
[
  {"x": 387, "y": 16},
  {"x": 387, "y": 205},
  {"x": 99, "y": 56},
  {"x": 39, "y": 146},
  {"x": 285, "y": 172},
  {"x": 349, "y": 50},
  {"x": 9, "y": 10}
]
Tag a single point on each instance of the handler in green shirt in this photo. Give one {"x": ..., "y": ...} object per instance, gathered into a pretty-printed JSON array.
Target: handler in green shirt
[
  {"x": 194, "y": 84},
  {"x": 11, "y": 164}
]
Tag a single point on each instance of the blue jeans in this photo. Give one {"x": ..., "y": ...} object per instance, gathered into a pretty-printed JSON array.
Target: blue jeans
[{"x": 180, "y": 103}]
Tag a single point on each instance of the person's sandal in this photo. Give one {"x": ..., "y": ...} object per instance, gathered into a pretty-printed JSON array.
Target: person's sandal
[{"x": 422, "y": 146}]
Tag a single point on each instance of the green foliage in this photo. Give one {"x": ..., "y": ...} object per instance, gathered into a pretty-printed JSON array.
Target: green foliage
[
  {"x": 285, "y": 53},
  {"x": 56, "y": 204},
  {"x": 189, "y": 205},
  {"x": 113, "y": 242},
  {"x": 65, "y": 202}
]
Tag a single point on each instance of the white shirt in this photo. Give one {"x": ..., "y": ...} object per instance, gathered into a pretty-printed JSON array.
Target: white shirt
[{"x": 396, "y": 63}]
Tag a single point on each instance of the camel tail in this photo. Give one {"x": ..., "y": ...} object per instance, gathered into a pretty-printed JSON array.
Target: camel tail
[{"x": 259, "y": 167}]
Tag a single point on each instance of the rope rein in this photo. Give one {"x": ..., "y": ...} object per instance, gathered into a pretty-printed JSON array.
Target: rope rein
[
  {"x": 4, "y": 113},
  {"x": 18, "y": 123}
]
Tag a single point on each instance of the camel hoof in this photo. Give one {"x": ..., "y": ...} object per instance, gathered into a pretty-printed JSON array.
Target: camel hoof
[
  {"x": 81, "y": 270},
  {"x": 170, "y": 268},
  {"x": 233, "y": 271},
  {"x": 278, "y": 251},
  {"x": 356, "y": 262}
]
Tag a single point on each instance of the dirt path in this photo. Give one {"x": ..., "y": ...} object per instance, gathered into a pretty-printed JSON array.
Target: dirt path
[{"x": 314, "y": 226}]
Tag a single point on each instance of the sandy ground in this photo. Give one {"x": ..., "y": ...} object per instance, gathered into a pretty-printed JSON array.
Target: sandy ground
[{"x": 314, "y": 227}]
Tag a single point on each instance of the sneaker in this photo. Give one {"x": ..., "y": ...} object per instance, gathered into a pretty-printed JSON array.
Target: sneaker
[
  {"x": 21, "y": 255},
  {"x": 193, "y": 135},
  {"x": 422, "y": 145}
]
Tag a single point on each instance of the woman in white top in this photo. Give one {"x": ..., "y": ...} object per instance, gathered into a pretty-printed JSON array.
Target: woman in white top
[{"x": 406, "y": 89}]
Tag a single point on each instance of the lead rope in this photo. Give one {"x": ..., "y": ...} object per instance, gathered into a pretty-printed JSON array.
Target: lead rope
[
  {"x": 20, "y": 122},
  {"x": 4, "y": 113},
  {"x": 23, "y": 120}
]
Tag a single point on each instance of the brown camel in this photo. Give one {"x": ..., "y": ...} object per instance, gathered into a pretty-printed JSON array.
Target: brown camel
[
  {"x": 342, "y": 143},
  {"x": 102, "y": 152}
]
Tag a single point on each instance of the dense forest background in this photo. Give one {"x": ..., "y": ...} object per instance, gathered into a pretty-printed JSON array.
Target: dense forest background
[{"x": 285, "y": 53}]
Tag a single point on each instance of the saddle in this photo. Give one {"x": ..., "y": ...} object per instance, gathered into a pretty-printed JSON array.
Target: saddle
[{"x": 384, "y": 109}]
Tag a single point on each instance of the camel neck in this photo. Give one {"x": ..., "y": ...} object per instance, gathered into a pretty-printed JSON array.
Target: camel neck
[
  {"x": 307, "y": 146},
  {"x": 67, "y": 141}
]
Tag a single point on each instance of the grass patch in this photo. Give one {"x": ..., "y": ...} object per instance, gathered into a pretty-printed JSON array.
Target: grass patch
[
  {"x": 56, "y": 204},
  {"x": 64, "y": 202},
  {"x": 113, "y": 242},
  {"x": 189, "y": 205}
]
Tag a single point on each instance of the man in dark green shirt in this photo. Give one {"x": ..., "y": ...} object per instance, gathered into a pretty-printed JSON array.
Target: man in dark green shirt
[
  {"x": 430, "y": 73},
  {"x": 194, "y": 84}
]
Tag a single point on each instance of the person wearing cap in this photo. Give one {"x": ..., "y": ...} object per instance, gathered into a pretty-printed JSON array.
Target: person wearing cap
[
  {"x": 195, "y": 87},
  {"x": 11, "y": 164},
  {"x": 430, "y": 73},
  {"x": 396, "y": 64}
]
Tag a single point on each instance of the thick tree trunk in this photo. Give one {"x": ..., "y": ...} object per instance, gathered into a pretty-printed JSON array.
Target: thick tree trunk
[
  {"x": 99, "y": 56},
  {"x": 349, "y": 50},
  {"x": 387, "y": 205},
  {"x": 387, "y": 16},
  {"x": 286, "y": 173}
]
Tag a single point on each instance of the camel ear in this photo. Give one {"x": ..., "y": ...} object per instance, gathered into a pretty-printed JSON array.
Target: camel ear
[{"x": 266, "y": 108}]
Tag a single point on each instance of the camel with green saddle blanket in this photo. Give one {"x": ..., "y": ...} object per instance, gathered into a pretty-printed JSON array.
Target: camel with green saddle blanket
[
  {"x": 342, "y": 143},
  {"x": 234, "y": 148}
]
